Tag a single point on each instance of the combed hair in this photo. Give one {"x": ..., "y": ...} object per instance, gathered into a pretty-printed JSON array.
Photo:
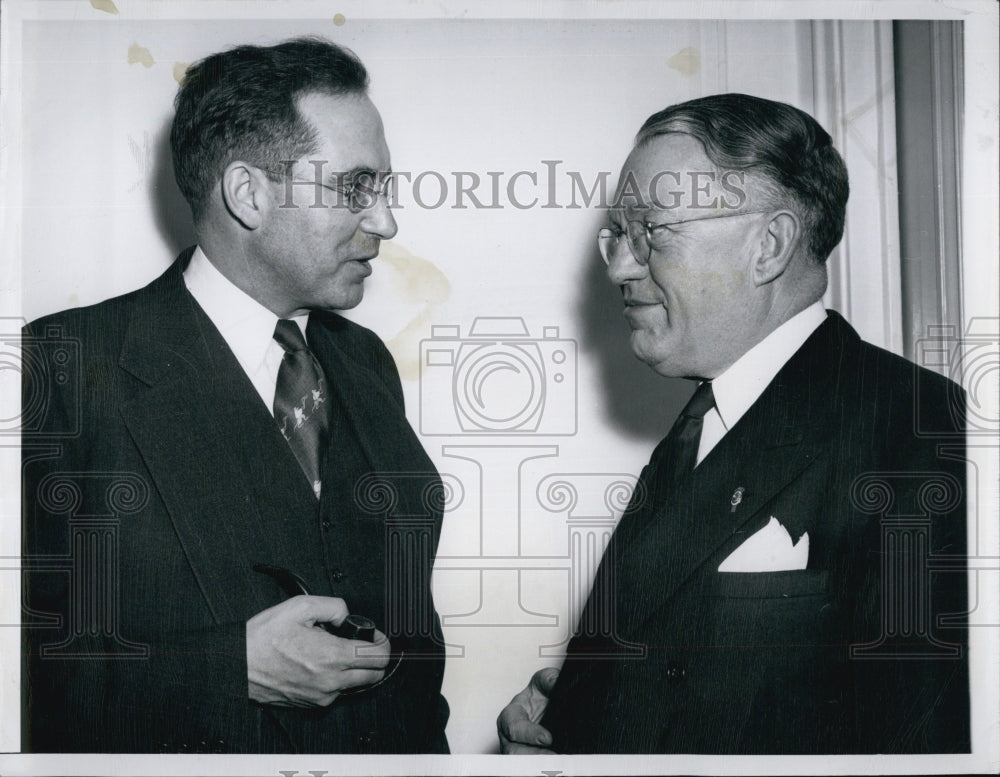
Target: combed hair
[
  {"x": 240, "y": 104},
  {"x": 784, "y": 147}
]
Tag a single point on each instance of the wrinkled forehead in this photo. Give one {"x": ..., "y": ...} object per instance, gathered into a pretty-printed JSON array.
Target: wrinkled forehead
[{"x": 673, "y": 172}]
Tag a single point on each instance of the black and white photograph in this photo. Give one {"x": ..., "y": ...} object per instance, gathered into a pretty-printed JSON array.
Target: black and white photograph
[{"x": 414, "y": 387}]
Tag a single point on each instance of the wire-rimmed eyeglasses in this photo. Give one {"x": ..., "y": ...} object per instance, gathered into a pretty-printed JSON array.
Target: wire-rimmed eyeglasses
[
  {"x": 357, "y": 191},
  {"x": 644, "y": 237}
]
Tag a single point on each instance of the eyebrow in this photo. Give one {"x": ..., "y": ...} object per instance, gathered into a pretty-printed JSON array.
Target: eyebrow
[
  {"x": 630, "y": 202},
  {"x": 371, "y": 170},
  {"x": 346, "y": 176},
  {"x": 637, "y": 213}
]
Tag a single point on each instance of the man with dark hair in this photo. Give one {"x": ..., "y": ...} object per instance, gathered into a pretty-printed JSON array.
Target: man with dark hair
[
  {"x": 217, "y": 452},
  {"x": 789, "y": 575}
]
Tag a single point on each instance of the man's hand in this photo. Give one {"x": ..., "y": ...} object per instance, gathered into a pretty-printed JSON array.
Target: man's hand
[
  {"x": 293, "y": 663},
  {"x": 517, "y": 725}
]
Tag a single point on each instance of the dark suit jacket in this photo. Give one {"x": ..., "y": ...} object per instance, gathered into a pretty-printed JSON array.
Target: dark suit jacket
[
  {"x": 154, "y": 478},
  {"x": 864, "y": 651}
]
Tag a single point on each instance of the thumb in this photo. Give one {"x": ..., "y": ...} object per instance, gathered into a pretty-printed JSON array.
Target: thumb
[
  {"x": 545, "y": 679},
  {"x": 320, "y": 609}
]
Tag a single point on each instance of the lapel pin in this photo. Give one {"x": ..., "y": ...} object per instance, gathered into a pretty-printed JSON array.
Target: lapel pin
[{"x": 736, "y": 498}]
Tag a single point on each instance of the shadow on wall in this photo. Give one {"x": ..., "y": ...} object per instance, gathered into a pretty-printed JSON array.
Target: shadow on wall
[
  {"x": 170, "y": 209},
  {"x": 638, "y": 401}
]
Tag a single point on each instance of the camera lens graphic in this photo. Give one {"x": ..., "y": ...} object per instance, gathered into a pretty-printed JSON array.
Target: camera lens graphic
[
  {"x": 499, "y": 387},
  {"x": 26, "y": 368},
  {"x": 975, "y": 368}
]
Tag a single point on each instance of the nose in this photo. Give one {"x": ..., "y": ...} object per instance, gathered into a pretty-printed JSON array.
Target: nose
[
  {"x": 378, "y": 219},
  {"x": 622, "y": 265}
]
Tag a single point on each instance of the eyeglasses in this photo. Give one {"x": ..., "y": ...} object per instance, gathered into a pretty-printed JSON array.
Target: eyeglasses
[
  {"x": 644, "y": 237},
  {"x": 356, "y": 191}
]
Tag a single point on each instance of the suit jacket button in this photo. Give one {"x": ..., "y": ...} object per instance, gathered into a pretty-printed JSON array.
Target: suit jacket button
[
  {"x": 337, "y": 575},
  {"x": 675, "y": 672},
  {"x": 325, "y": 525}
]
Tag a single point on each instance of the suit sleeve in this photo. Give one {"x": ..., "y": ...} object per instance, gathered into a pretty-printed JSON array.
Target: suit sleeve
[
  {"x": 86, "y": 685},
  {"x": 910, "y": 658}
]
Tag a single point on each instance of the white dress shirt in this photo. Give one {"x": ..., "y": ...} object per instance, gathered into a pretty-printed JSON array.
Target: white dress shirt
[
  {"x": 245, "y": 324},
  {"x": 741, "y": 385}
]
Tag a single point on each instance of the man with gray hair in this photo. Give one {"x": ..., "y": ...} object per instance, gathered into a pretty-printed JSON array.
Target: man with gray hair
[
  {"x": 255, "y": 435},
  {"x": 789, "y": 575}
]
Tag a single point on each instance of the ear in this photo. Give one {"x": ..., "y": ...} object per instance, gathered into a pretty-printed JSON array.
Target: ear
[
  {"x": 245, "y": 193},
  {"x": 778, "y": 245}
]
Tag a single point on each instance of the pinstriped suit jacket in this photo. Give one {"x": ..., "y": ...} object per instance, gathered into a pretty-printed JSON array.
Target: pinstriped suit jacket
[
  {"x": 862, "y": 652},
  {"x": 154, "y": 478}
]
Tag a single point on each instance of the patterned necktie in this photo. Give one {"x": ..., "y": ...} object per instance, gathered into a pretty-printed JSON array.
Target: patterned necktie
[
  {"x": 300, "y": 401},
  {"x": 678, "y": 452}
]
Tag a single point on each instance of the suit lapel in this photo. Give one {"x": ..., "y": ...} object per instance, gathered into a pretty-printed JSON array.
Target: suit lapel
[
  {"x": 193, "y": 426},
  {"x": 374, "y": 415},
  {"x": 350, "y": 388},
  {"x": 768, "y": 449}
]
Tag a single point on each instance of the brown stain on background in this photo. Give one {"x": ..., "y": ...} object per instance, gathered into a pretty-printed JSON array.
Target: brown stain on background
[
  {"x": 139, "y": 54},
  {"x": 180, "y": 70},
  {"x": 687, "y": 61},
  {"x": 104, "y": 5},
  {"x": 339, "y": 19},
  {"x": 419, "y": 281}
]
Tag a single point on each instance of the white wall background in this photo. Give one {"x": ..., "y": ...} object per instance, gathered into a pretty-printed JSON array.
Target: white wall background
[{"x": 100, "y": 215}]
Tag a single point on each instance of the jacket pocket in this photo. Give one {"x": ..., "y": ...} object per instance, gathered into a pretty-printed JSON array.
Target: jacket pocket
[{"x": 768, "y": 585}]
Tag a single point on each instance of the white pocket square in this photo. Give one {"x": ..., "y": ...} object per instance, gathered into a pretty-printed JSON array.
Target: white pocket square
[{"x": 769, "y": 550}]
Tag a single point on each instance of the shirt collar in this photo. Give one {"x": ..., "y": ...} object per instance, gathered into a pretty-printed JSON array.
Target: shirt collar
[
  {"x": 245, "y": 324},
  {"x": 741, "y": 385}
]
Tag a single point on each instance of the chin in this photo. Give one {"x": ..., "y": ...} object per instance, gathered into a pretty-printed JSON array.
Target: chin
[
  {"x": 345, "y": 299},
  {"x": 645, "y": 347},
  {"x": 657, "y": 361},
  {"x": 668, "y": 370},
  {"x": 348, "y": 304}
]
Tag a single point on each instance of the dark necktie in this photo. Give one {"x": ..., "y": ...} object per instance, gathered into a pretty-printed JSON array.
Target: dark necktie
[
  {"x": 678, "y": 452},
  {"x": 672, "y": 460},
  {"x": 300, "y": 401}
]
